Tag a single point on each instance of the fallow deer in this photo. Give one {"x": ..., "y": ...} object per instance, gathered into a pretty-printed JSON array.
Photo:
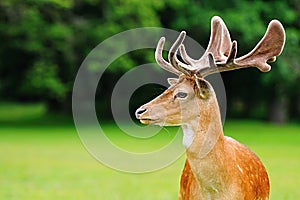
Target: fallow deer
[{"x": 217, "y": 167}]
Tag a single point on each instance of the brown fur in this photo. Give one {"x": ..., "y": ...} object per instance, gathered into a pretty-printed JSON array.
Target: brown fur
[{"x": 252, "y": 183}]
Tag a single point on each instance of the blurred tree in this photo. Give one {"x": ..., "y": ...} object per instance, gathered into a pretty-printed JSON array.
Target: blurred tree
[
  {"x": 44, "y": 43},
  {"x": 37, "y": 50}
]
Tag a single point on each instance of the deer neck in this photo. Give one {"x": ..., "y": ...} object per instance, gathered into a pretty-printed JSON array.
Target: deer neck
[
  {"x": 204, "y": 133},
  {"x": 204, "y": 141}
]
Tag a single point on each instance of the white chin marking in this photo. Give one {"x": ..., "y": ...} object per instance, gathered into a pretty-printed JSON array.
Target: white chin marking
[{"x": 188, "y": 136}]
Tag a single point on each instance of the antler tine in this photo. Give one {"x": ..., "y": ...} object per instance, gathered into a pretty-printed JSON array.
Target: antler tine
[
  {"x": 186, "y": 57},
  {"x": 220, "y": 42},
  {"x": 161, "y": 61},
  {"x": 220, "y": 67},
  {"x": 174, "y": 65},
  {"x": 172, "y": 56},
  {"x": 195, "y": 66}
]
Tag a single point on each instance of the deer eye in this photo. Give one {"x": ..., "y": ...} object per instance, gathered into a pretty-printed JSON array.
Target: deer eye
[{"x": 181, "y": 95}]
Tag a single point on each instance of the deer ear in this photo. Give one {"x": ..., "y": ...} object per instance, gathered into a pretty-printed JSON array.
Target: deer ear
[
  {"x": 172, "y": 81},
  {"x": 203, "y": 88}
]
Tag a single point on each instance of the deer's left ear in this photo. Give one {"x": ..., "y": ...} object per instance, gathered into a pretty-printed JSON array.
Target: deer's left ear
[
  {"x": 203, "y": 88},
  {"x": 173, "y": 81}
]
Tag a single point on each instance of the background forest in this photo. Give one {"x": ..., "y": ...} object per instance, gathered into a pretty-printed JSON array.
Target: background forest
[{"x": 44, "y": 42}]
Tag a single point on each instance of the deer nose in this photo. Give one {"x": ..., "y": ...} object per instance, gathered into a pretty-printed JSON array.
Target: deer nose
[{"x": 139, "y": 112}]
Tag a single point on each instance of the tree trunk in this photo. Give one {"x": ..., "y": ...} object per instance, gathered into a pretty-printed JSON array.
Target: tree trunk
[
  {"x": 297, "y": 105},
  {"x": 55, "y": 106},
  {"x": 278, "y": 110}
]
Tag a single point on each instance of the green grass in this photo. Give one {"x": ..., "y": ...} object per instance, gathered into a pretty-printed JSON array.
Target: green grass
[
  {"x": 48, "y": 161},
  {"x": 51, "y": 163},
  {"x": 11, "y": 112}
]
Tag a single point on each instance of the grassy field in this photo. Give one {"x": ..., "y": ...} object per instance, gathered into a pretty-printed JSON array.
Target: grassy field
[{"x": 47, "y": 161}]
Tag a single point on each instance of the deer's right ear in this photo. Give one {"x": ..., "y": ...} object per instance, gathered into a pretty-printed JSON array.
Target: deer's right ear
[
  {"x": 203, "y": 88},
  {"x": 173, "y": 81}
]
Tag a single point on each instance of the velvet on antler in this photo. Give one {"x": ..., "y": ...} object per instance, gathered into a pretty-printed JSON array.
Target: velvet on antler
[{"x": 220, "y": 54}]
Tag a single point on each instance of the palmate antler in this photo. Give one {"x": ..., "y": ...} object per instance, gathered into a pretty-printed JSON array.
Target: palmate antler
[{"x": 220, "y": 54}]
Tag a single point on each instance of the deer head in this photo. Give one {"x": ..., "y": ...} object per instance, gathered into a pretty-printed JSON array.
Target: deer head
[{"x": 192, "y": 97}]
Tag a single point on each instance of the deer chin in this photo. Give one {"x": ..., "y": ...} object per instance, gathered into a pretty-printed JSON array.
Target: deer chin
[
  {"x": 149, "y": 121},
  {"x": 157, "y": 122},
  {"x": 145, "y": 121}
]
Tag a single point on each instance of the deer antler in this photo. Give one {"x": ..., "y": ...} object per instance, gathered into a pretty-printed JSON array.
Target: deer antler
[
  {"x": 223, "y": 52},
  {"x": 220, "y": 54}
]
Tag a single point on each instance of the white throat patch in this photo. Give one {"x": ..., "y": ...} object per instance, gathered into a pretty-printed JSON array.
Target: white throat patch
[{"x": 188, "y": 135}]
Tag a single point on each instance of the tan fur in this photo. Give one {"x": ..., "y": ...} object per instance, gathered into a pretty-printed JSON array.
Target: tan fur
[{"x": 226, "y": 170}]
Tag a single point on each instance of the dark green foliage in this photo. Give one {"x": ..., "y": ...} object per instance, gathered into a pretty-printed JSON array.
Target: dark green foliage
[{"x": 44, "y": 42}]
